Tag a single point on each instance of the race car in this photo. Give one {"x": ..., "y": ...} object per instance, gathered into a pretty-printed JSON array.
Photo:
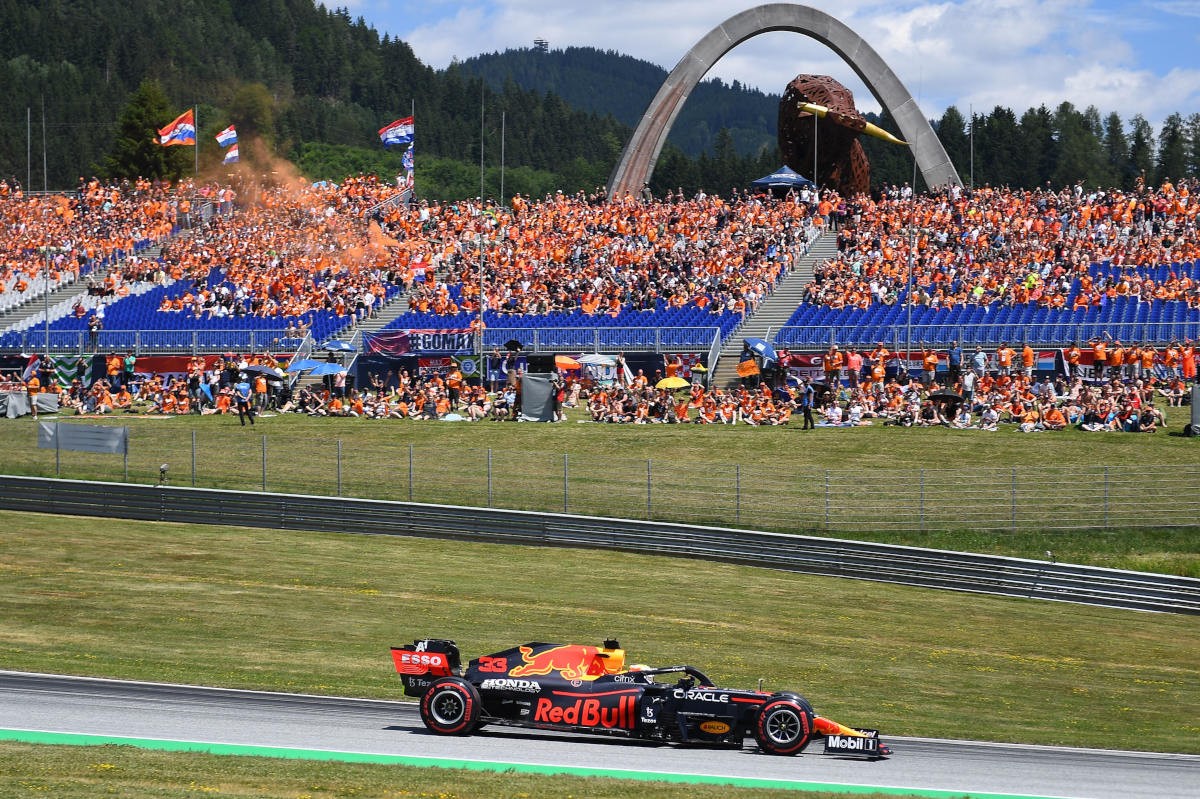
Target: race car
[{"x": 590, "y": 689}]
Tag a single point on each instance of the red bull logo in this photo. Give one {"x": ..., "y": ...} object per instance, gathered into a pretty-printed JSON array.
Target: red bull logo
[
  {"x": 570, "y": 661},
  {"x": 588, "y": 713}
]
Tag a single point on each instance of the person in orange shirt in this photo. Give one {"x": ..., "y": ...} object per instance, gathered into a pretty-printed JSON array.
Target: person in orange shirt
[
  {"x": 1028, "y": 360},
  {"x": 1053, "y": 419},
  {"x": 1004, "y": 358},
  {"x": 929, "y": 363},
  {"x": 1074, "y": 355},
  {"x": 33, "y": 387},
  {"x": 1099, "y": 358},
  {"x": 1187, "y": 361},
  {"x": 1116, "y": 359}
]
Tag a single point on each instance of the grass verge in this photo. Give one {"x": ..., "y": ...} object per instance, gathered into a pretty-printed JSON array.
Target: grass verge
[
  {"x": 73, "y": 772},
  {"x": 862, "y": 483},
  {"x": 317, "y": 612}
]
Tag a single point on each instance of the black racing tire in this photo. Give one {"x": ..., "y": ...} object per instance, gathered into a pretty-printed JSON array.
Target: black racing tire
[
  {"x": 783, "y": 727},
  {"x": 451, "y": 707}
]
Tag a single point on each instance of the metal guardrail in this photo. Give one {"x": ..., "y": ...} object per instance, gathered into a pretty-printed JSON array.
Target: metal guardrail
[
  {"x": 148, "y": 342},
  {"x": 604, "y": 339},
  {"x": 957, "y": 571},
  {"x": 989, "y": 334}
]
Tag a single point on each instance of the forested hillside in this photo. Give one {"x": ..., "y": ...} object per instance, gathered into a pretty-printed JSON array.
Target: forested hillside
[
  {"x": 312, "y": 85},
  {"x": 608, "y": 82}
]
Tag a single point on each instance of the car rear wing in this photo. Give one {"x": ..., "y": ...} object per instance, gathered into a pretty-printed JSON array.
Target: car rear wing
[{"x": 423, "y": 661}]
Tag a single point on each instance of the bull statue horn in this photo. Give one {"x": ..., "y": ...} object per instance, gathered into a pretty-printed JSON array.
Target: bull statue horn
[
  {"x": 869, "y": 129},
  {"x": 880, "y": 133}
]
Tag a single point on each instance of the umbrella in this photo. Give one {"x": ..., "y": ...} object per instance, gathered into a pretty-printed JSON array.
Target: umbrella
[
  {"x": 302, "y": 364},
  {"x": 322, "y": 369},
  {"x": 699, "y": 368},
  {"x": 512, "y": 345},
  {"x": 266, "y": 370},
  {"x": 565, "y": 362},
  {"x": 339, "y": 346},
  {"x": 761, "y": 347},
  {"x": 672, "y": 382},
  {"x": 596, "y": 359}
]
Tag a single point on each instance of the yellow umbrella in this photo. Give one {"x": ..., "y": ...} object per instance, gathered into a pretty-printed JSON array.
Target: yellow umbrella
[{"x": 672, "y": 382}]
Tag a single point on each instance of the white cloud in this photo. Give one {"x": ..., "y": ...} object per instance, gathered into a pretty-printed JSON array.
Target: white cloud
[{"x": 1017, "y": 53}]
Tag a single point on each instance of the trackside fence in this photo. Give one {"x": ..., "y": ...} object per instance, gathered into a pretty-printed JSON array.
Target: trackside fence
[
  {"x": 1023, "y": 498},
  {"x": 860, "y": 560}
]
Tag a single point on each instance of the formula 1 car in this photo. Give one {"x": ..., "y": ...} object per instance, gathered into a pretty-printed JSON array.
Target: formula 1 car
[{"x": 589, "y": 689}]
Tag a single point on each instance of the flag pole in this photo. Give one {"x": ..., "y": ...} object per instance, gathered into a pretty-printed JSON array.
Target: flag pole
[{"x": 196, "y": 123}]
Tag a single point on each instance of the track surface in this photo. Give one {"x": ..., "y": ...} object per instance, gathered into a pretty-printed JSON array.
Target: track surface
[{"x": 176, "y": 712}]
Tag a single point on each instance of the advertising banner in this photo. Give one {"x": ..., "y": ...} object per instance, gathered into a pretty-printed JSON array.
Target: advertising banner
[{"x": 393, "y": 343}]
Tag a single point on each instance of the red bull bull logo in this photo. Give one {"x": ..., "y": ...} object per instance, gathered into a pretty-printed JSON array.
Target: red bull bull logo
[{"x": 570, "y": 661}]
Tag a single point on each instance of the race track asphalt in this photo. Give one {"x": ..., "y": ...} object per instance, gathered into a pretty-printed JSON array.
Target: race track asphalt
[{"x": 164, "y": 712}]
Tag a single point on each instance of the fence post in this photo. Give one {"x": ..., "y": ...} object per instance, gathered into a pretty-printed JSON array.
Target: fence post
[
  {"x": 339, "y": 466},
  {"x": 826, "y": 499},
  {"x": 489, "y": 476},
  {"x": 193, "y": 459},
  {"x": 648, "y": 485},
  {"x": 410, "y": 472},
  {"x": 922, "y": 505},
  {"x": 264, "y": 463},
  {"x": 737, "y": 482},
  {"x": 1106, "y": 497},
  {"x": 1013, "y": 493},
  {"x": 565, "y": 471}
]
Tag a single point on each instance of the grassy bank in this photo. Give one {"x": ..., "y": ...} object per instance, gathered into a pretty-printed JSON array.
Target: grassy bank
[
  {"x": 317, "y": 613},
  {"x": 861, "y": 483}
]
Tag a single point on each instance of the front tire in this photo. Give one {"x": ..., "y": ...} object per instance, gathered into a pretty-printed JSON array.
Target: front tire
[
  {"x": 783, "y": 727},
  {"x": 451, "y": 707}
]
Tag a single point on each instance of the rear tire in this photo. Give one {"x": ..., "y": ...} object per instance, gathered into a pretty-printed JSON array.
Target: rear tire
[
  {"x": 783, "y": 727},
  {"x": 451, "y": 707}
]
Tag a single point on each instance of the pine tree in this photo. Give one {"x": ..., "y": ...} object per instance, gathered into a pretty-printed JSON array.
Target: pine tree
[
  {"x": 951, "y": 129},
  {"x": 1141, "y": 148},
  {"x": 1193, "y": 135},
  {"x": 1172, "y": 150},
  {"x": 1116, "y": 152},
  {"x": 136, "y": 150}
]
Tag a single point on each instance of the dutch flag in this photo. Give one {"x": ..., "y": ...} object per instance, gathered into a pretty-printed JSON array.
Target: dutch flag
[
  {"x": 227, "y": 137},
  {"x": 399, "y": 132},
  {"x": 231, "y": 155},
  {"x": 181, "y": 131}
]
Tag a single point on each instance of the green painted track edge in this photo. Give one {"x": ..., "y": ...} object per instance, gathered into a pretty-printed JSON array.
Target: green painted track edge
[{"x": 81, "y": 739}]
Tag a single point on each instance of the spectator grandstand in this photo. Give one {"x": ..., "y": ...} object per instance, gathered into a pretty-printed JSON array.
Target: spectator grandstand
[{"x": 1043, "y": 265}]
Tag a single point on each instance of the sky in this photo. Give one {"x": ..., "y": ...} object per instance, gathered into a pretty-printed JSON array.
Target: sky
[{"x": 1120, "y": 56}]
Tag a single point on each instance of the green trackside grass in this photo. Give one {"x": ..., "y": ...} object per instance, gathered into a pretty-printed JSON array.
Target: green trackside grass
[
  {"x": 309, "y": 612},
  {"x": 74, "y": 772},
  {"x": 695, "y": 470}
]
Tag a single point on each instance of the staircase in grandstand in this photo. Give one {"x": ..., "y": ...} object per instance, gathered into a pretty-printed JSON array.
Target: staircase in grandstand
[
  {"x": 353, "y": 335},
  {"x": 62, "y": 300},
  {"x": 773, "y": 311}
]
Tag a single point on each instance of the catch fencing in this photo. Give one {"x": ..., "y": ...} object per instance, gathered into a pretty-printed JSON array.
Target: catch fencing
[
  {"x": 960, "y": 571},
  {"x": 828, "y": 501}
]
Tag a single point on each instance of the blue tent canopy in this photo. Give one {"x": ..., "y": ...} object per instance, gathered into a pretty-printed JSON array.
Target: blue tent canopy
[{"x": 784, "y": 177}]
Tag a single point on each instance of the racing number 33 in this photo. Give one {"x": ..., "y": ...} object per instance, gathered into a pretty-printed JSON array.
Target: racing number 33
[{"x": 498, "y": 665}]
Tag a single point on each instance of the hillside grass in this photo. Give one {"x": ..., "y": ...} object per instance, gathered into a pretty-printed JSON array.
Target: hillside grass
[
  {"x": 769, "y": 479},
  {"x": 310, "y": 612}
]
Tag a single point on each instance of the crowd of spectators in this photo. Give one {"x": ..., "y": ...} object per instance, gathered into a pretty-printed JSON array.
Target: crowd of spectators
[
  {"x": 296, "y": 248},
  {"x": 92, "y": 224},
  {"x": 1003, "y": 246}
]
